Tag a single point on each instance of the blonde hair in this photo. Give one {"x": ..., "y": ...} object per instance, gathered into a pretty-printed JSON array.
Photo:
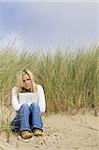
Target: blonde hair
[{"x": 19, "y": 81}]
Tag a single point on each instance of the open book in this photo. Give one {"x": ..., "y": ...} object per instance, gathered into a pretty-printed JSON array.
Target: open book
[{"x": 28, "y": 97}]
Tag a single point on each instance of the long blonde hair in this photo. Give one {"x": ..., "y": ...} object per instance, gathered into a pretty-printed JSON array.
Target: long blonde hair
[{"x": 19, "y": 81}]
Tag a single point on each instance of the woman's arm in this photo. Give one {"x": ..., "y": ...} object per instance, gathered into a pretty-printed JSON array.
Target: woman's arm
[
  {"x": 15, "y": 103},
  {"x": 41, "y": 99}
]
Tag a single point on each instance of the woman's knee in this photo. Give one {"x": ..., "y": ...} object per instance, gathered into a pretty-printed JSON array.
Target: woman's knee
[
  {"x": 35, "y": 105},
  {"x": 25, "y": 106}
]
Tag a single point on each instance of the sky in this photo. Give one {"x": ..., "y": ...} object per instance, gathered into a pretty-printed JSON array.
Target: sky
[{"x": 49, "y": 24}]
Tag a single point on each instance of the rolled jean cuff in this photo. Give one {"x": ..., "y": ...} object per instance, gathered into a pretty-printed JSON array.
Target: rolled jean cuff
[
  {"x": 25, "y": 129},
  {"x": 37, "y": 128}
]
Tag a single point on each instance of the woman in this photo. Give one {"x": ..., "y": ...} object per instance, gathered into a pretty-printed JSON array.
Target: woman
[{"x": 28, "y": 100}]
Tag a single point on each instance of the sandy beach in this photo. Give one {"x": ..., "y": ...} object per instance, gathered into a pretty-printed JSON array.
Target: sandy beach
[{"x": 61, "y": 132}]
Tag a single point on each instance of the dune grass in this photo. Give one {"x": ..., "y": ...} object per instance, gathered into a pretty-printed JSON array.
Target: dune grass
[{"x": 70, "y": 80}]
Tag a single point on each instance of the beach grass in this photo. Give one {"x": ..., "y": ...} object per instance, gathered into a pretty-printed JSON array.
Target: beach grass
[{"x": 69, "y": 79}]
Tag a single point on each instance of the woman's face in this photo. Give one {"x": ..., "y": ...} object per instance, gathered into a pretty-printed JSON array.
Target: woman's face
[{"x": 27, "y": 83}]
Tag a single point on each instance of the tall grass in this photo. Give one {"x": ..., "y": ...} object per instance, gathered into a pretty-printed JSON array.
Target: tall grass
[{"x": 69, "y": 80}]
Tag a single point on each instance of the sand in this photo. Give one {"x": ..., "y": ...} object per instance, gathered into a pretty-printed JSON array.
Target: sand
[{"x": 61, "y": 132}]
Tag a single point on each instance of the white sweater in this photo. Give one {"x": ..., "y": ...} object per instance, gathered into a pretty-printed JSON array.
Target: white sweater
[{"x": 37, "y": 96}]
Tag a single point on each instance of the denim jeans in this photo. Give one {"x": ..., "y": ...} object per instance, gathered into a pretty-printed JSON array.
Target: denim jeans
[{"x": 27, "y": 118}]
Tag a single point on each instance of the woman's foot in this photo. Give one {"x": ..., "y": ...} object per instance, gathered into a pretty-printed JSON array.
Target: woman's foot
[
  {"x": 26, "y": 134},
  {"x": 37, "y": 132}
]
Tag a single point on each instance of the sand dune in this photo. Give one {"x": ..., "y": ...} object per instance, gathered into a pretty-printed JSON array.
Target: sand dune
[{"x": 61, "y": 132}]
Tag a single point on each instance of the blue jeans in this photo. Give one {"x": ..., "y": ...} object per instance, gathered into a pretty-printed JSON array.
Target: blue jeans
[{"x": 27, "y": 118}]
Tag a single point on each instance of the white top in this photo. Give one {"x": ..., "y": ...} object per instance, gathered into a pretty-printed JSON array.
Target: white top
[{"x": 29, "y": 98}]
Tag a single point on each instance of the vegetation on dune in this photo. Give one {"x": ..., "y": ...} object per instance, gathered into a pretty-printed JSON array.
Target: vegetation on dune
[{"x": 70, "y": 80}]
